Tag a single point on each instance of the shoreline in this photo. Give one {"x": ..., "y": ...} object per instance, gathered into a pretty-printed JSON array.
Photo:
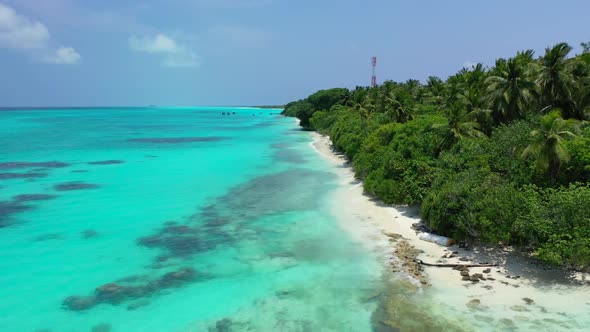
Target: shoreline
[{"x": 516, "y": 292}]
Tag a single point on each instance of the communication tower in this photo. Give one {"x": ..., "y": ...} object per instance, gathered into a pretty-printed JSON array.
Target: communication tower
[{"x": 374, "y": 76}]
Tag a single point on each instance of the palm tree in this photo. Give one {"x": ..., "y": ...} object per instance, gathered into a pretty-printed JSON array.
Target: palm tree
[
  {"x": 458, "y": 127},
  {"x": 435, "y": 88},
  {"x": 509, "y": 91},
  {"x": 525, "y": 57},
  {"x": 455, "y": 85},
  {"x": 356, "y": 96},
  {"x": 548, "y": 148},
  {"x": 477, "y": 109},
  {"x": 579, "y": 103},
  {"x": 394, "y": 109},
  {"x": 475, "y": 76},
  {"x": 499, "y": 67},
  {"x": 364, "y": 109},
  {"x": 484, "y": 119},
  {"x": 554, "y": 76},
  {"x": 414, "y": 89}
]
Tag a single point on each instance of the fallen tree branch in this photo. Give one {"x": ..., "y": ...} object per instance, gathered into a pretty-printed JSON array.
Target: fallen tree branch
[{"x": 419, "y": 261}]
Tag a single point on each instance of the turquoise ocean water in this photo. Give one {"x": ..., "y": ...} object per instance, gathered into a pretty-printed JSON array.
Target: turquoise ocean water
[{"x": 172, "y": 219}]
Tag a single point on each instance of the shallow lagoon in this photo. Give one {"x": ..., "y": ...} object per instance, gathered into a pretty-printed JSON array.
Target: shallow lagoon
[{"x": 133, "y": 196}]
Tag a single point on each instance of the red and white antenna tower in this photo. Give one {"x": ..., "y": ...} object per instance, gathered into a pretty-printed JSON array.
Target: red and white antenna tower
[{"x": 374, "y": 77}]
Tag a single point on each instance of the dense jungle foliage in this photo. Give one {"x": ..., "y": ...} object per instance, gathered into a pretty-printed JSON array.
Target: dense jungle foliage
[{"x": 498, "y": 155}]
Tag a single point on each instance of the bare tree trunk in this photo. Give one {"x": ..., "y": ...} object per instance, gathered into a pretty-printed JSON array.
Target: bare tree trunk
[{"x": 419, "y": 261}]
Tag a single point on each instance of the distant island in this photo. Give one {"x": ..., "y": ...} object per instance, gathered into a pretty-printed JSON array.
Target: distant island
[
  {"x": 493, "y": 155},
  {"x": 270, "y": 106}
]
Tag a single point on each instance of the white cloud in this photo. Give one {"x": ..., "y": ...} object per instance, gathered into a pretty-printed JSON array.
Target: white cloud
[
  {"x": 64, "y": 56},
  {"x": 21, "y": 33},
  {"x": 176, "y": 55},
  {"x": 159, "y": 43},
  {"x": 18, "y": 32}
]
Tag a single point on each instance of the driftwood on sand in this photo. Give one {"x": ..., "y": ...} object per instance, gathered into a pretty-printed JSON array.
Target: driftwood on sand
[{"x": 419, "y": 261}]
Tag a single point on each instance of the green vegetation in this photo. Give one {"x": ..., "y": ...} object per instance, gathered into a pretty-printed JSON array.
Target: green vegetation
[{"x": 497, "y": 155}]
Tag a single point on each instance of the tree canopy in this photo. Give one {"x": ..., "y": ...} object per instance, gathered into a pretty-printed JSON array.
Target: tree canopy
[{"x": 496, "y": 154}]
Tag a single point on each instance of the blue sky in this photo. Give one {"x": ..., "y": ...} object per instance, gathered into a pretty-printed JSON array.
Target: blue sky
[{"x": 251, "y": 52}]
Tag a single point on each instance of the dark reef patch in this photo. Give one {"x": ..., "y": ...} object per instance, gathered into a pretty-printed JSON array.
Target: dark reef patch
[
  {"x": 137, "y": 304},
  {"x": 104, "y": 327},
  {"x": 89, "y": 234},
  {"x": 11, "y": 176},
  {"x": 23, "y": 164},
  {"x": 106, "y": 162},
  {"x": 233, "y": 128},
  {"x": 178, "y": 241},
  {"x": 8, "y": 209},
  {"x": 133, "y": 279},
  {"x": 79, "y": 303},
  {"x": 222, "y": 325},
  {"x": 274, "y": 193},
  {"x": 79, "y": 171},
  {"x": 280, "y": 145},
  {"x": 266, "y": 124},
  {"x": 115, "y": 293},
  {"x": 220, "y": 224},
  {"x": 176, "y": 140},
  {"x": 289, "y": 156},
  {"x": 47, "y": 237},
  {"x": 33, "y": 197},
  {"x": 74, "y": 186}
]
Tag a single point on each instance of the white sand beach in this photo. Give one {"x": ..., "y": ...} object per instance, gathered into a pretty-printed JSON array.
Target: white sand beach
[{"x": 516, "y": 295}]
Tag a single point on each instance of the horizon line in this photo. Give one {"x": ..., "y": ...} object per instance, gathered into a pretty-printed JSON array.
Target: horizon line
[{"x": 18, "y": 108}]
